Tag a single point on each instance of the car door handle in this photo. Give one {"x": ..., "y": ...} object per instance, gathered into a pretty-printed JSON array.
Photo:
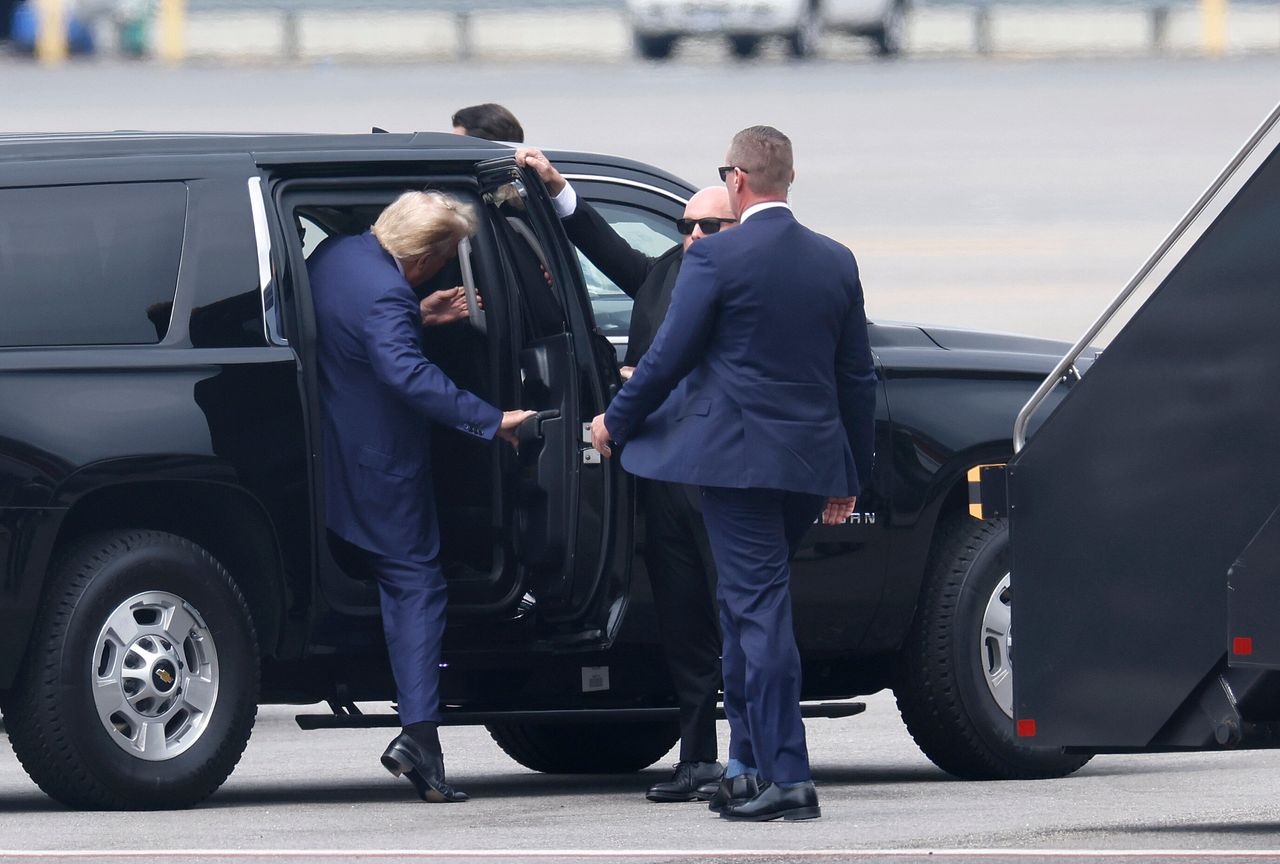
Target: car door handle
[{"x": 531, "y": 429}]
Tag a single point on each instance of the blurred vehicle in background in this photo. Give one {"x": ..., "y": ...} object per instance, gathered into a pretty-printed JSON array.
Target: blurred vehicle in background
[
  {"x": 24, "y": 30},
  {"x": 122, "y": 24},
  {"x": 658, "y": 24}
]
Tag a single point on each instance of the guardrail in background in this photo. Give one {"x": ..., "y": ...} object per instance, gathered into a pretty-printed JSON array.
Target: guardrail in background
[
  {"x": 462, "y": 11},
  {"x": 172, "y": 15},
  {"x": 1213, "y": 14}
]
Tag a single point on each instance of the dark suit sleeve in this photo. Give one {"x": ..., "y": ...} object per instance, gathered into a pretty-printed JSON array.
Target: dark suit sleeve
[
  {"x": 676, "y": 350},
  {"x": 856, "y": 383},
  {"x": 606, "y": 249},
  {"x": 392, "y": 343}
]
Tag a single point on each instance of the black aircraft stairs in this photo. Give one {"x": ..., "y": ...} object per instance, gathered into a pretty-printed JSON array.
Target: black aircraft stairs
[{"x": 1146, "y": 545}]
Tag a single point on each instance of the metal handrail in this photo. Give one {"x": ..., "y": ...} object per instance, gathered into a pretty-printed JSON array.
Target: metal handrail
[{"x": 1046, "y": 386}]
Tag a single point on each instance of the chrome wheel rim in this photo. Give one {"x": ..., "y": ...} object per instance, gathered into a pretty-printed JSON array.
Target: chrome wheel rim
[
  {"x": 155, "y": 676},
  {"x": 995, "y": 648}
]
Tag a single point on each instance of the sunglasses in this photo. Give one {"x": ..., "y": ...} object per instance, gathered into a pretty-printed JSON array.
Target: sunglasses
[
  {"x": 725, "y": 169},
  {"x": 710, "y": 225}
]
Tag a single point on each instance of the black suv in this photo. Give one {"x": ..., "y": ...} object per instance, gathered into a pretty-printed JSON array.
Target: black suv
[{"x": 163, "y": 563}]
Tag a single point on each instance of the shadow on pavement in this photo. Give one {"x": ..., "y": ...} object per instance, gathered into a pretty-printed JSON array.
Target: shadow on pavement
[
  {"x": 856, "y": 775},
  {"x": 389, "y": 789},
  {"x": 376, "y": 788},
  {"x": 1268, "y": 828},
  {"x": 34, "y": 801}
]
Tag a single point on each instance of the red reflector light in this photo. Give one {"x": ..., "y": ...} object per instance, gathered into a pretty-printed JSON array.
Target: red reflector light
[
  {"x": 1242, "y": 646},
  {"x": 1026, "y": 728}
]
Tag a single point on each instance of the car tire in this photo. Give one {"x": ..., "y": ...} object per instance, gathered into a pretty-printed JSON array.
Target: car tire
[
  {"x": 655, "y": 47},
  {"x": 744, "y": 47},
  {"x": 892, "y": 34},
  {"x": 803, "y": 42},
  {"x": 140, "y": 688},
  {"x": 585, "y": 748},
  {"x": 956, "y": 666}
]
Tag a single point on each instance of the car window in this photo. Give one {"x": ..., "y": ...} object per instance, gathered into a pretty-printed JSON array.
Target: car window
[
  {"x": 89, "y": 265},
  {"x": 312, "y": 235},
  {"x": 649, "y": 232}
]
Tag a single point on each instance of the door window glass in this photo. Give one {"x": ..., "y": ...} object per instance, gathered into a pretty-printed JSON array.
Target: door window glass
[
  {"x": 89, "y": 265},
  {"x": 650, "y": 233},
  {"x": 312, "y": 235}
]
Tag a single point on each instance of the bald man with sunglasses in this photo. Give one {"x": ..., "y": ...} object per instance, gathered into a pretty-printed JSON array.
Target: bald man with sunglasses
[{"x": 676, "y": 550}]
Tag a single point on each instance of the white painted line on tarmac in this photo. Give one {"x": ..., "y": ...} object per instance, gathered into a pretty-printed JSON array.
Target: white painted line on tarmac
[{"x": 615, "y": 854}]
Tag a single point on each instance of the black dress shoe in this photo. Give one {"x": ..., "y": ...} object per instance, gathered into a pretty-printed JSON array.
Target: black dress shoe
[
  {"x": 425, "y": 770},
  {"x": 692, "y": 781},
  {"x": 739, "y": 790},
  {"x": 774, "y": 802}
]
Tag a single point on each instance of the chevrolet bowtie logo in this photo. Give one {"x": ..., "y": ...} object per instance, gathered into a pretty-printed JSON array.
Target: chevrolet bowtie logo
[{"x": 165, "y": 675}]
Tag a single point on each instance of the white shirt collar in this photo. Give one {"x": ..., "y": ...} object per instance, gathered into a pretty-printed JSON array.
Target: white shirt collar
[
  {"x": 399, "y": 266},
  {"x": 763, "y": 205}
]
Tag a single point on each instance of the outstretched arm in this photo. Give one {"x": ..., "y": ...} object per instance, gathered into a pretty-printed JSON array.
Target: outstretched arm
[{"x": 587, "y": 229}]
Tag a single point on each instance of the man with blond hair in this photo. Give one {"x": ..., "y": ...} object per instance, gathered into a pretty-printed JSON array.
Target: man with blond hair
[
  {"x": 760, "y": 388},
  {"x": 378, "y": 396}
]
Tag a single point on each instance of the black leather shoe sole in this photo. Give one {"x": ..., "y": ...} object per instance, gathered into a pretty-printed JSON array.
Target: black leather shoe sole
[
  {"x": 429, "y": 793},
  {"x": 795, "y": 814},
  {"x": 662, "y": 797}
]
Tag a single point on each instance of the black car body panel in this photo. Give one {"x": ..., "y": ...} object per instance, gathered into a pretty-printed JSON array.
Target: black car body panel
[{"x": 207, "y": 433}]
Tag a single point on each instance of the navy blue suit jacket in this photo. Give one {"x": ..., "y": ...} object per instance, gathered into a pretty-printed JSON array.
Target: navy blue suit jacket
[
  {"x": 378, "y": 397},
  {"x": 761, "y": 375}
]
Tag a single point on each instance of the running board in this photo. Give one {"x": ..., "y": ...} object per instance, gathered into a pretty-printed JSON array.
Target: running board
[{"x": 349, "y": 720}]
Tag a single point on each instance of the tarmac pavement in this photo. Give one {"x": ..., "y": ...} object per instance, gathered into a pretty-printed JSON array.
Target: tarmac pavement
[{"x": 324, "y": 792}]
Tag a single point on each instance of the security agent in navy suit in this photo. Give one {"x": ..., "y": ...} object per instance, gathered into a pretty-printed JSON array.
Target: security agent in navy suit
[
  {"x": 677, "y": 552},
  {"x": 378, "y": 397},
  {"x": 760, "y": 388}
]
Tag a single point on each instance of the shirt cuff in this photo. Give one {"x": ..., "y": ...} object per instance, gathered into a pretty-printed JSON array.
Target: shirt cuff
[{"x": 566, "y": 203}]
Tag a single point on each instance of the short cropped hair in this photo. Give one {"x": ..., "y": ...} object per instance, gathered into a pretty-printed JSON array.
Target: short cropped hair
[
  {"x": 418, "y": 223},
  {"x": 765, "y": 154},
  {"x": 491, "y": 121}
]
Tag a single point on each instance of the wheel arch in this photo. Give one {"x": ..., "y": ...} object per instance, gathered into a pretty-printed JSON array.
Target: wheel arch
[
  {"x": 949, "y": 496},
  {"x": 225, "y": 520},
  {"x": 946, "y": 499}
]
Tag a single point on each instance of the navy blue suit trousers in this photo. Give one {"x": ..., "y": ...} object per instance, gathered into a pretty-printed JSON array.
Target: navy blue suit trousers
[
  {"x": 413, "y": 596},
  {"x": 754, "y": 533}
]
